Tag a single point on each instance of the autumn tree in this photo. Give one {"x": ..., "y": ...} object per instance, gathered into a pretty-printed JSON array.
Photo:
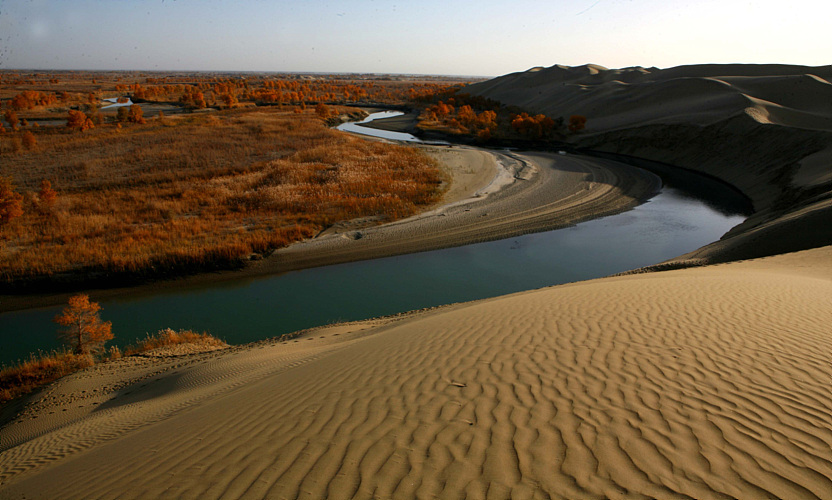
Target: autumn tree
[
  {"x": 577, "y": 123},
  {"x": 135, "y": 114},
  {"x": 79, "y": 120},
  {"x": 122, "y": 114},
  {"x": 11, "y": 117},
  {"x": 11, "y": 203},
  {"x": 83, "y": 329},
  {"x": 322, "y": 110},
  {"x": 193, "y": 98},
  {"x": 228, "y": 99},
  {"x": 23, "y": 101},
  {"x": 199, "y": 100},
  {"x": 29, "y": 140},
  {"x": 46, "y": 194}
]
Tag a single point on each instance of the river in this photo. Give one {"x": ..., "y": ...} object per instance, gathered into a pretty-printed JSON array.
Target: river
[{"x": 670, "y": 224}]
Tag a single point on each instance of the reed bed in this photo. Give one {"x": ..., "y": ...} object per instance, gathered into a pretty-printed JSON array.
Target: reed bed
[{"x": 196, "y": 191}]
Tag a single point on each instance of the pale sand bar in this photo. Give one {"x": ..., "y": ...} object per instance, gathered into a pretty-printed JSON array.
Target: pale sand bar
[
  {"x": 531, "y": 192},
  {"x": 698, "y": 383}
]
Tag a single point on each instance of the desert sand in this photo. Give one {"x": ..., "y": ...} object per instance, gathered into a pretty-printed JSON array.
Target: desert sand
[
  {"x": 709, "y": 381},
  {"x": 698, "y": 383}
]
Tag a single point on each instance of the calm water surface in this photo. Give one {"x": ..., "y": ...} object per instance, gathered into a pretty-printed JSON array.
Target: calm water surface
[{"x": 668, "y": 225}]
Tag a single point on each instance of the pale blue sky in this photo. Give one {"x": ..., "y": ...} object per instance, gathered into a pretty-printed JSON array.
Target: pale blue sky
[{"x": 487, "y": 37}]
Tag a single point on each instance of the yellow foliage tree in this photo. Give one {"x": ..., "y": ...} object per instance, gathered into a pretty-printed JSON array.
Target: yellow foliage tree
[
  {"x": 322, "y": 110},
  {"x": 83, "y": 329},
  {"x": 79, "y": 120},
  {"x": 135, "y": 114},
  {"x": 11, "y": 203}
]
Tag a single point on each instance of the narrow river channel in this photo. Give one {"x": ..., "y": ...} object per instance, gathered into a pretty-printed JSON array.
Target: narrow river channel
[{"x": 670, "y": 224}]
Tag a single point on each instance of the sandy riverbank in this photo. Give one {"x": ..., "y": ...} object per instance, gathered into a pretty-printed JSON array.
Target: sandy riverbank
[
  {"x": 492, "y": 195},
  {"x": 698, "y": 383},
  {"x": 402, "y": 123},
  {"x": 531, "y": 192}
]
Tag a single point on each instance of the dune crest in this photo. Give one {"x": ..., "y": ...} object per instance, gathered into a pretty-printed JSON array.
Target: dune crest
[{"x": 685, "y": 94}]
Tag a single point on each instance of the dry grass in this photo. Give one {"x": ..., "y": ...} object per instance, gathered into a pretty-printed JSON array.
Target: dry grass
[
  {"x": 39, "y": 370},
  {"x": 197, "y": 192},
  {"x": 44, "y": 368},
  {"x": 168, "y": 338}
]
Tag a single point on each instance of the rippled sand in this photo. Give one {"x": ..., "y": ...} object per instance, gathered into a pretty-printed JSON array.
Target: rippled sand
[{"x": 699, "y": 383}]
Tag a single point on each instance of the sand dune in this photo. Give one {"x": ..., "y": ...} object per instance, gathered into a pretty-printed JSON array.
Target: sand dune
[
  {"x": 698, "y": 383},
  {"x": 613, "y": 99},
  {"x": 707, "y": 382},
  {"x": 765, "y": 129}
]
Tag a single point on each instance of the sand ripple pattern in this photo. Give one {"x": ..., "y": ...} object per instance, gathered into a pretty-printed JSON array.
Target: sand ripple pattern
[{"x": 707, "y": 383}]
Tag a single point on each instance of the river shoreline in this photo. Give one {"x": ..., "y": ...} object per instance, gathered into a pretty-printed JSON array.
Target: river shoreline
[{"x": 587, "y": 190}]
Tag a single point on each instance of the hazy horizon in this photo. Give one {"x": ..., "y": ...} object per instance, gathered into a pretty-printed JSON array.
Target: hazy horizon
[{"x": 486, "y": 38}]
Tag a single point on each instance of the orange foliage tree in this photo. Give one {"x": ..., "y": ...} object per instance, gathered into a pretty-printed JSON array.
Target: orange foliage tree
[
  {"x": 135, "y": 114},
  {"x": 29, "y": 99},
  {"x": 83, "y": 329},
  {"x": 199, "y": 100},
  {"x": 29, "y": 140},
  {"x": 11, "y": 117},
  {"x": 577, "y": 123},
  {"x": 534, "y": 126},
  {"x": 47, "y": 195},
  {"x": 79, "y": 120},
  {"x": 229, "y": 99},
  {"x": 11, "y": 203},
  {"x": 322, "y": 110}
]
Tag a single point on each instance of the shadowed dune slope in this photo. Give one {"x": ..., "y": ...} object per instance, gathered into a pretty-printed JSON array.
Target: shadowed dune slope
[
  {"x": 765, "y": 129},
  {"x": 708, "y": 383},
  {"x": 795, "y": 96}
]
